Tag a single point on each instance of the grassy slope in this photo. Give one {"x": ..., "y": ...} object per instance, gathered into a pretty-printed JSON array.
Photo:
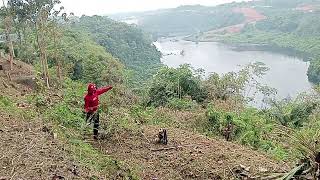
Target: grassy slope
[
  {"x": 34, "y": 148},
  {"x": 124, "y": 150}
]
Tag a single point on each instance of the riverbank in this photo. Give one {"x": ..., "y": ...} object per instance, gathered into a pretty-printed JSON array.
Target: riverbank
[{"x": 254, "y": 46}]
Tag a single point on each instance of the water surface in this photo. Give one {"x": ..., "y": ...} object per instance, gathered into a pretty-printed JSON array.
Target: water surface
[{"x": 287, "y": 74}]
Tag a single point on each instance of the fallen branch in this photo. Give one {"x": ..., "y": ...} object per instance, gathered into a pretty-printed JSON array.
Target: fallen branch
[
  {"x": 5, "y": 84},
  {"x": 232, "y": 173},
  {"x": 175, "y": 147},
  {"x": 166, "y": 149},
  {"x": 292, "y": 173},
  {"x": 273, "y": 176}
]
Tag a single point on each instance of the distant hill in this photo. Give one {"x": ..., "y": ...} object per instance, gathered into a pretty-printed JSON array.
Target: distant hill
[{"x": 185, "y": 20}]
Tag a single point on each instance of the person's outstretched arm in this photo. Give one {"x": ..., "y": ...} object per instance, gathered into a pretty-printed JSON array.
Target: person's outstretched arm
[{"x": 103, "y": 90}]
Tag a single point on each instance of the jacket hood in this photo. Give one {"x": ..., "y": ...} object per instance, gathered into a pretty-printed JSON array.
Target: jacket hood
[{"x": 91, "y": 88}]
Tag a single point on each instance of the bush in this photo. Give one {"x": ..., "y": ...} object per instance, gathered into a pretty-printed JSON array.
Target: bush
[
  {"x": 292, "y": 113},
  {"x": 63, "y": 114},
  {"x": 314, "y": 72},
  {"x": 141, "y": 114},
  {"x": 171, "y": 83},
  {"x": 181, "y": 104}
]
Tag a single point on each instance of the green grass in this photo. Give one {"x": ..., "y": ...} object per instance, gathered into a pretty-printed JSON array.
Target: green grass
[{"x": 68, "y": 124}]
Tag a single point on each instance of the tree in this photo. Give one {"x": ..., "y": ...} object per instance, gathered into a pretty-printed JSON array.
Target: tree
[
  {"x": 314, "y": 72},
  {"x": 39, "y": 13},
  {"x": 178, "y": 83},
  {"x": 56, "y": 32},
  {"x": 8, "y": 29}
]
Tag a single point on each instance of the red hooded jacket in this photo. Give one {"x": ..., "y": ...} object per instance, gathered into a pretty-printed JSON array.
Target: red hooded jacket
[{"x": 91, "y": 99}]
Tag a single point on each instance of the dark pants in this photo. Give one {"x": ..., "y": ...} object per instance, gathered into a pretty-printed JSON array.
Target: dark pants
[{"x": 95, "y": 118}]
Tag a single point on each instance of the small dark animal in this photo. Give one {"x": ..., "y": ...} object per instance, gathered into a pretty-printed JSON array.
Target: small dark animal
[
  {"x": 317, "y": 159},
  {"x": 163, "y": 138},
  {"x": 228, "y": 131}
]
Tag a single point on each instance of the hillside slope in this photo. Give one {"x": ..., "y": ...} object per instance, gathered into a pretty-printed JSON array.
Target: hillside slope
[
  {"x": 33, "y": 148},
  {"x": 29, "y": 151},
  {"x": 187, "y": 155},
  {"x": 130, "y": 45}
]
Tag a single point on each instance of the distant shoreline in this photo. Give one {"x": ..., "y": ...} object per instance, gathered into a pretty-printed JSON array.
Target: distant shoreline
[{"x": 238, "y": 46}]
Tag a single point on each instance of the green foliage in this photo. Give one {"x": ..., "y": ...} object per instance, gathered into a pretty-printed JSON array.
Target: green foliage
[
  {"x": 292, "y": 114},
  {"x": 40, "y": 101},
  {"x": 86, "y": 60},
  {"x": 181, "y": 104},
  {"x": 180, "y": 83},
  {"x": 234, "y": 85},
  {"x": 92, "y": 158},
  {"x": 142, "y": 114},
  {"x": 77, "y": 71},
  {"x": 251, "y": 127},
  {"x": 127, "y": 43},
  {"x": 5, "y": 102},
  {"x": 314, "y": 71}
]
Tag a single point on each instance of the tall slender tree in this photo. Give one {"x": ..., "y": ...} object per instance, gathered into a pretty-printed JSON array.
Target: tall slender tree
[{"x": 8, "y": 31}]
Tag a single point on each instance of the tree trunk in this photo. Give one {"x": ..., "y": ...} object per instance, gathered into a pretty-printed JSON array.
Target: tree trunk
[
  {"x": 58, "y": 63},
  {"x": 8, "y": 40},
  {"x": 40, "y": 26}
]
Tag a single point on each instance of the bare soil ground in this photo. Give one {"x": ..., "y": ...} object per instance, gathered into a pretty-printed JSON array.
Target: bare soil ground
[
  {"x": 251, "y": 16},
  {"x": 22, "y": 75},
  {"x": 187, "y": 155},
  {"x": 29, "y": 151}
]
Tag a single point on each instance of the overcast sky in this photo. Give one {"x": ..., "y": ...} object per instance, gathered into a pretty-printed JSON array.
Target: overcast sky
[{"x": 102, "y": 7}]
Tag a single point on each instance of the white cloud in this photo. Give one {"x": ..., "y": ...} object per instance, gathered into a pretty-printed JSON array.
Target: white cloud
[{"x": 101, "y": 7}]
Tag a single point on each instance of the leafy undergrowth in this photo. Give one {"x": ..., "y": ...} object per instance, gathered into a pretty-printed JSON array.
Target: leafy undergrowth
[{"x": 35, "y": 149}]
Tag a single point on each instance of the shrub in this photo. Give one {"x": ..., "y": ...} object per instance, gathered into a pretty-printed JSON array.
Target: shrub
[{"x": 181, "y": 104}]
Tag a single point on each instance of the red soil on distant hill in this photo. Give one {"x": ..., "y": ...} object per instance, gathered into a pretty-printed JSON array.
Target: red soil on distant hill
[{"x": 250, "y": 14}]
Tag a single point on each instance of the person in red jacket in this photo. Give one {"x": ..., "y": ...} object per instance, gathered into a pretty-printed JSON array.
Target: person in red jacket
[{"x": 91, "y": 105}]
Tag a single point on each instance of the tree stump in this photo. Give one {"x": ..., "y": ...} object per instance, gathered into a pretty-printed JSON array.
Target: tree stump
[{"x": 163, "y": 137}]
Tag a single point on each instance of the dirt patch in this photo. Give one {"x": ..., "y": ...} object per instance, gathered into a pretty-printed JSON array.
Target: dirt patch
[
  {"x": 19, "y": 68},
  {"x": 21, "y": 73},
  {"x": 250, "y": 14},
  {"x": 188, "y": 155},
  {"x": 305, "y": 8},
  {"x": 29, "y": 151}
]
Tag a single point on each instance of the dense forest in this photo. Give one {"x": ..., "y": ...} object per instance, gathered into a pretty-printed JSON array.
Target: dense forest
[
  {"x": 127, "y": 43},
  {"x": 68, "y": 52}
]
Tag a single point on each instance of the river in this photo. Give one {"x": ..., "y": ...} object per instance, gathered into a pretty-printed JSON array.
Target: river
[{"x": 287, "y": 74}]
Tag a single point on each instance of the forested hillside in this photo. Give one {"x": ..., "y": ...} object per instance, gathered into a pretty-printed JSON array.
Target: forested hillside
[{"x": 129, "y": 44}]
